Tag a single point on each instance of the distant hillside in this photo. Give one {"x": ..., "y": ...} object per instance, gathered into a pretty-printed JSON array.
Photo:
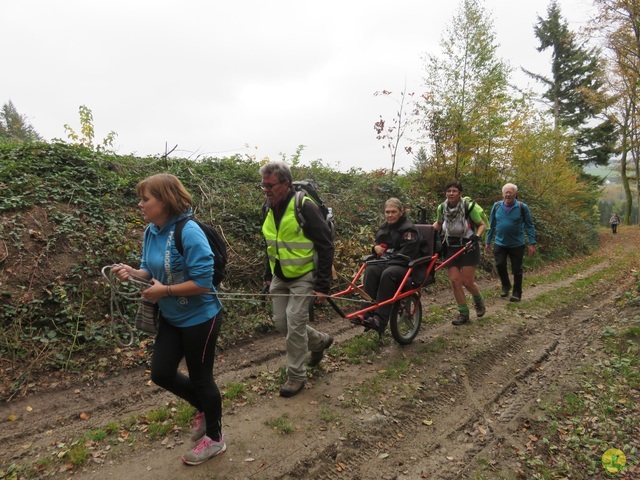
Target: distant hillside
[{"x": 609, "y": 173}]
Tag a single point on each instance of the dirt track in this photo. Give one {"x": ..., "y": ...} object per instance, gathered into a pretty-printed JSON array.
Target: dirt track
[{"x": 466, "y": 401}]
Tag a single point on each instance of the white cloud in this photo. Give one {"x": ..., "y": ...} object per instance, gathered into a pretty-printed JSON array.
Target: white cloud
[{"x": 213, "y": 77}]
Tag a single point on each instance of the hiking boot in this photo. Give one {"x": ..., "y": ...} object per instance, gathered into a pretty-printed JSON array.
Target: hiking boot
[
  {"x": 291, "y": 388},
  {"x": 205, "y": 450},
  {"x": 316, "y": 357},
  {"x": 374, "y": 323},
  {"x": 199, "y": 427},
  {"x": 461, "y": 319},
  {"x": 480, "y": 308},
  {"x": 515, "y": 297},
  {"x": 505, "y": 291}
]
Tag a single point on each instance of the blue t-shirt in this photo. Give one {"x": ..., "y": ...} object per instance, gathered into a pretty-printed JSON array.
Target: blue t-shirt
[{"x": 161, "y": 258}]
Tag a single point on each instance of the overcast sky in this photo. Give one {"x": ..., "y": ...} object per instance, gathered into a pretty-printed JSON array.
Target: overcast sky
[{"x": 256, "y": 77}]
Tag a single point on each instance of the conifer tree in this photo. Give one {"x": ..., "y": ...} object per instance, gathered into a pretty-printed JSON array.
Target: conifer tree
[
  {"x": 14, "y": 126},
  {"x": 575, "y": 90}
]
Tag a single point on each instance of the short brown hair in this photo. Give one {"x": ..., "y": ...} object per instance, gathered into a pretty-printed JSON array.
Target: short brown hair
[
  {"x": 169, "y": 190},
  {"x": 453, "y": 184}
]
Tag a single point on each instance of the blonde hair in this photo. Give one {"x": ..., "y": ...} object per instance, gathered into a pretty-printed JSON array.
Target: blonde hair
[{"x": 169, "y": 190}]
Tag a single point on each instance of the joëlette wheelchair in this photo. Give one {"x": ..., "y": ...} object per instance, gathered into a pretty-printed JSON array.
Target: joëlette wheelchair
[{"x": 406, "y": 309}]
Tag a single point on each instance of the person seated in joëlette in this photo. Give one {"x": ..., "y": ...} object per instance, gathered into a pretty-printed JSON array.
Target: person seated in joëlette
[{"x": 397, "y": 242}]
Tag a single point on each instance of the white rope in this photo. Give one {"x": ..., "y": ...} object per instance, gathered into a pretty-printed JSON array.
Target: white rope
[
  {"x": 139, "y": 284},
  {"x": 116, "y": 309},
  {"x": 231, "y": 296}
]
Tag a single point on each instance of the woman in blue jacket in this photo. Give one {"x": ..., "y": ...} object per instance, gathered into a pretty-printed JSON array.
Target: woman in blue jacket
[{"x": 190, "y": 311}]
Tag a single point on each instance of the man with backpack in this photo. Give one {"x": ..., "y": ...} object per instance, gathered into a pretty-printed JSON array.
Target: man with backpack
[
  {"x": 299, "y": 260},
  {"x": 509, "y": 220}
]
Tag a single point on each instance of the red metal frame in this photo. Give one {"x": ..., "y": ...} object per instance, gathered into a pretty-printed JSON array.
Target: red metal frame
[{"x": 354, "y": 285}]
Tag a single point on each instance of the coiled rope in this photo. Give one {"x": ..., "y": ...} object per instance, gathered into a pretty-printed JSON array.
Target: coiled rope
[
  {"x": 136, "y": 284},
  {"x": 115, "y": 305}
]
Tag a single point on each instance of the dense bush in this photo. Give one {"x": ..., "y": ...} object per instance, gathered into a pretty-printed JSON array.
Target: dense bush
[{"x": 67, "y": 211}]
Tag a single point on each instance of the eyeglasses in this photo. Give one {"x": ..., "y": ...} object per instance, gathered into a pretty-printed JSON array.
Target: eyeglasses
[{"x": 269, "y": 186}]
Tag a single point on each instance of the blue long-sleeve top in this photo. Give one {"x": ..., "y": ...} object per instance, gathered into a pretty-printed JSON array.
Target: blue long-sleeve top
[
  {"x": 509, "y": 224},
  {"x": 161, "y": 258}
]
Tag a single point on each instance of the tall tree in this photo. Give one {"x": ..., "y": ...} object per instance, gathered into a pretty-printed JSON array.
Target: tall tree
[
  {"x": 576, "y": 90},
  {"x": 466, "y": 102},
  {"x": 619, "y": 22},
  {"x": 15, "y": 126}
]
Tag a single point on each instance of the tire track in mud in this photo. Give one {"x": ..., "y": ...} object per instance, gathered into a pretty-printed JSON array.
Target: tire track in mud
[
  {"x": 519, "y": 365},
  {"x": 56, "y": 414}
]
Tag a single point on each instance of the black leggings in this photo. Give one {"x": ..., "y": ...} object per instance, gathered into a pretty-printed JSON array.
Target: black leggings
[{"x": 197, "y": 345}]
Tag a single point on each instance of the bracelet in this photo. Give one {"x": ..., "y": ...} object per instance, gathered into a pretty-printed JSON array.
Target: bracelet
[{"x": 169, "y": 291}]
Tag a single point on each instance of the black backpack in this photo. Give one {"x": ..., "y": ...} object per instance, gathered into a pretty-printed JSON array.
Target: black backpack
[
  {"x": 216, "y": 242},
  {"x": 497, "y": 204},
  {"x": 307, "y": 188}
]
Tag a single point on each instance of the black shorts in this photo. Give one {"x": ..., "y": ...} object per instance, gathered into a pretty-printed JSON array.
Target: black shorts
[{"x": 471, "y": 258}]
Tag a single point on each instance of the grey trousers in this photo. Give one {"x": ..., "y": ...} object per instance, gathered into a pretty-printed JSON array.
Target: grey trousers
[{"x": 291, "y": 318}]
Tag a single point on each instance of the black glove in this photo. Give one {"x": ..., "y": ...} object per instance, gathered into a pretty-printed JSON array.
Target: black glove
[
  {"x": 264, "y": 292},
  {"x": 475, "y": 238}
]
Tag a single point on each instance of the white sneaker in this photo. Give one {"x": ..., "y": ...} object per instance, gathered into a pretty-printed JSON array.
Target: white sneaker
[{"x": 205, "y": 450}]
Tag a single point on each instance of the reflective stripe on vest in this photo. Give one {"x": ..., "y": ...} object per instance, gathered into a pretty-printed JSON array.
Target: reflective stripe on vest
[{"x": 288, "y": 244}]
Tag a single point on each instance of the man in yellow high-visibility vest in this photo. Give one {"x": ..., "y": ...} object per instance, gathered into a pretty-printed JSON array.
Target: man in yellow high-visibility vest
[{"x": 299, "y": 264}]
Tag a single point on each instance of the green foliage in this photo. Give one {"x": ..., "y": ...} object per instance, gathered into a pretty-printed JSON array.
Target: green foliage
[
  {"x": 87, "y": 132},
  {"x": 234, "y": 390},
  {"x": 466, "y": 105},
  {"x": 66, "y": 211},
  {"x": 15, "y": 127},
  {"x": 282, "y": 424}
]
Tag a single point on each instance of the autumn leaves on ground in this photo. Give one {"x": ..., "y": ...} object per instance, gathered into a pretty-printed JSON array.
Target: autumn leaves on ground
[{"x": 540, "y": 389}]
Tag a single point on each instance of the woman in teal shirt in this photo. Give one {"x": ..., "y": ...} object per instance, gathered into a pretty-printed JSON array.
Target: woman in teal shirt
[{"x": 190, "y": 311}]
